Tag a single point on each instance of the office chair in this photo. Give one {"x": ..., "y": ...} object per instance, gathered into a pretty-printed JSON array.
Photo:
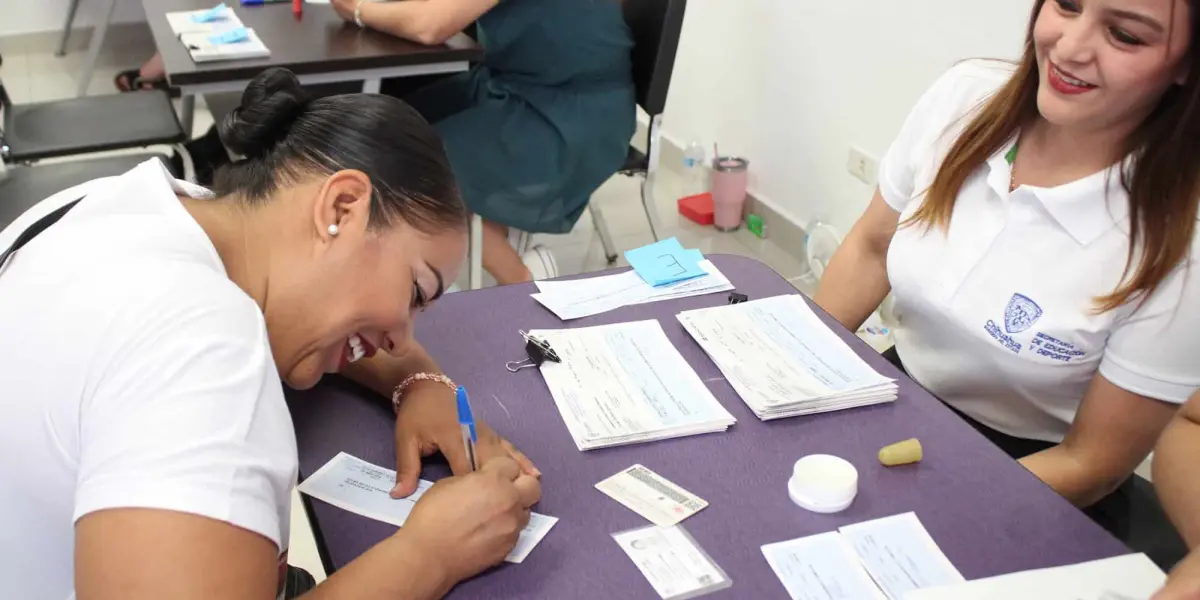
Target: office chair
[{"x": 656, "y": 26}]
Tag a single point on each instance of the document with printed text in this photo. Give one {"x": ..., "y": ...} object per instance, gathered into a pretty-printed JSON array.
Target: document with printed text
[
  {"x": 578, "y": 298},
  {"x": 1129, "y": 577},
  {"x": 362, "y": 488},
  {"x": 674, "y": 564},
  {"x": 821, "y": 567}
]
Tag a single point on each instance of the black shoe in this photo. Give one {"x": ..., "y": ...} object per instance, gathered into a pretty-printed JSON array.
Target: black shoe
[{"x": 298, "y": 582}]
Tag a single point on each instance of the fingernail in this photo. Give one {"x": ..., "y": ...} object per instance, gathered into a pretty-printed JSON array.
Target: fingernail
[
  {"x": 536, "y": 472},
  {"x": 396, "y": 492}
]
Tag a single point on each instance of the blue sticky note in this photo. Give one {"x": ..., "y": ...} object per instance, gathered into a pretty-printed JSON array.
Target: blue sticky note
[
  {"x": 215, "y": 13},
  {"x": 233, "y": 36},
  {"x": 665, "y": 262}
]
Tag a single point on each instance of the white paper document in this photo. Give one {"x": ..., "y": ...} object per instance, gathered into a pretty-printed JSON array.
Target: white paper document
[
  {"x": 821, "y": 567},
  {"x": 1130, "y": 577},
  {"x": 202, "y": 48},
  {"x": 672, "y": 562},
  {"x": 650, "y": 495},
  {"x": 182, "y": 22},
  {"x": 362, "y": 488},
  {"x": 782, "y": 359},
  {"x": 625, "y": 383},
  {"x": 900, "y": 555},
  {"x": 580, "y": 298}
]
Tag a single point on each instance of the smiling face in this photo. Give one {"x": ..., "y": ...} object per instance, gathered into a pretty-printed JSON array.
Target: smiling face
[
  {"x": 1107, "y": 63},
  {"x": 341, "y": 297}
]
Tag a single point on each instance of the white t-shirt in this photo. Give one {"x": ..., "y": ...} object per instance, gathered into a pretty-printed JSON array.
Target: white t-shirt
[
  {"x": 996, "y": 314},
  {"x": 134, "y": 373}
]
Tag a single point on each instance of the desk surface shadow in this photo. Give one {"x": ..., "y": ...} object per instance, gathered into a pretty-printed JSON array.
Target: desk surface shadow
[
  {"x": 319, "y": 42},
  {"x": 987, "y": 513}
]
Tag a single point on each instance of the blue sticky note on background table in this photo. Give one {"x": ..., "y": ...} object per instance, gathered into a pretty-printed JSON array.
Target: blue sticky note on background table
[
  {"x": 665, "y": 262},
  {"x": 215, "y": 13},
  {"x": 233, "y": 36}
]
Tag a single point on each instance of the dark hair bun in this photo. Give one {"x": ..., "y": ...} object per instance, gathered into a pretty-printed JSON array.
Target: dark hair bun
[{"x": 270, "y": 105}]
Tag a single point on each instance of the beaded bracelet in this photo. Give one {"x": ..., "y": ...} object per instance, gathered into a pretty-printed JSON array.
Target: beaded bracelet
[{"x": 398, "y": 393}]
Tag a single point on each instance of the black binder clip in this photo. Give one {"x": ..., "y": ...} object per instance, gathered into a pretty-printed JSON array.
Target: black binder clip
[
  {"x": 736, "y": 298},
  {"x": 537, "y": 351}
]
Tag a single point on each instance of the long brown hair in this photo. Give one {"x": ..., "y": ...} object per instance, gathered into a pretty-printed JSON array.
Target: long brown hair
[{"x": 1163, "y": 184}]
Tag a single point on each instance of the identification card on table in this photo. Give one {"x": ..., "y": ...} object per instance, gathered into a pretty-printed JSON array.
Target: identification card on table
[
  {"x": 646, "y": 493},
  {"x": 672, "y": 562}
]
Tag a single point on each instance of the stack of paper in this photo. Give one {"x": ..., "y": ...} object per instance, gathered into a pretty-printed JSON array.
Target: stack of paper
[
  {"x": 665, "y": 262},
  {"x": 884, "y": 558},
  {"x": 625, "y": 384},
  {"x": 586, "y": 297},
  {"x": 235, "y": 44},
  {"x": 783, "y": 361},
  {"x": 362, "y": 488},
  {"x": 212, "y": 20},
  {"x": 1122, "y": 578}
]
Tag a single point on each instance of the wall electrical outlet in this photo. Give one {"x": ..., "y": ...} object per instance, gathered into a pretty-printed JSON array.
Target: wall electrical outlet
[{"x": 862, "y": 166}]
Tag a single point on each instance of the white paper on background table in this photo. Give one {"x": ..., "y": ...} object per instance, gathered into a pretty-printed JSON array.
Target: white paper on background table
[
  {"x": 580, "y": 298},
  {"x": 362, "y": 488},
  {"x": 783, "y": 360},
  {"x": 626, "y": 383},
  {"x": 900, "y": 555},
  {"x": 1129, "y": 577},
  {"x": 202, "y": 49},
  {"x": 181, "y": 22},
  {"x": 652, "y": 496},
  {"x": 674, "y": 564},
  {"x": 821, "y": 567}
]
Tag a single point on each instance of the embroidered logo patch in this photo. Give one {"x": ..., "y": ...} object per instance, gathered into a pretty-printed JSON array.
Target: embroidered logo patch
[{"x": 1021, "y": 314}]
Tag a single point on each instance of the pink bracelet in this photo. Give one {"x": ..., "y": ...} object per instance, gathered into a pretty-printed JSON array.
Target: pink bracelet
[{"x": 398, "y": 393}]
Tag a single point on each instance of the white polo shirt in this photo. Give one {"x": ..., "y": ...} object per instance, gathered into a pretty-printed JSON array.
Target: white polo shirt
[
  {"x": 133, "y": 373},
  {"x": 995, "y": 314}
]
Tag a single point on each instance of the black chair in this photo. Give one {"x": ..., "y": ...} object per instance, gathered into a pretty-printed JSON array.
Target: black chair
[
  {"x": 39, "y": 130},
  {"x": 656, "y": 27},
  {"x": 22, "y": 187}
]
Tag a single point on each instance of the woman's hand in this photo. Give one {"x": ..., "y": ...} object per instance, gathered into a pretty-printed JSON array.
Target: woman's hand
[
  {"x": 1184, "y": 583},
  {"x": 471, "y": 523},
  {"x": 344, "y": 8},
  {"x": 428, "y": 422}
]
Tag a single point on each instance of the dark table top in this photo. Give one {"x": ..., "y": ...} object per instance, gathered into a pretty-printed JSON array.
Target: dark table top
[
  {"x": 319, "y": 42},
  {"x": 989, "y": 515}
]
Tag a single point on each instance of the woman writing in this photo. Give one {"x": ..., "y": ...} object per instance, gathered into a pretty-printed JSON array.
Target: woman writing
[
  {"x": 148, "y": 323},
  {"x": 1036, "y": 225}
]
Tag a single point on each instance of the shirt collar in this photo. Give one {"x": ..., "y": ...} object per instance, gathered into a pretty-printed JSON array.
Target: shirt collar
[{"x": 1085, "y": 208}]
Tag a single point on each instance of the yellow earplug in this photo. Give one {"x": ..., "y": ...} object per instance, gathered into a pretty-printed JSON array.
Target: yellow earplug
[{"x": 901, "y": 453}]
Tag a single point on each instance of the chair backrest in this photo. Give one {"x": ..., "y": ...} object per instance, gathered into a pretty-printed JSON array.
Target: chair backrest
[{"x": 656, "y": 25}]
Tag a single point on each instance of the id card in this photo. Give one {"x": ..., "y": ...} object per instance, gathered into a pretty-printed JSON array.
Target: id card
[
  {"x": 646, "y": 493},
  {"x": 672, "y": 562}
]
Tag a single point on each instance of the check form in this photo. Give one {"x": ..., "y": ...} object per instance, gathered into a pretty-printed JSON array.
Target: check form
[
  {"x": 626, "y": 383},
  {"x": 362, "y": 488},
  {"x": 821, "y": 567},
  {"x": 1129, "y": 577}
]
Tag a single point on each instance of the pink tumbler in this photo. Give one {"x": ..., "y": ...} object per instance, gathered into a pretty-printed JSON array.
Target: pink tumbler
[{"x": 728, "y": 192}]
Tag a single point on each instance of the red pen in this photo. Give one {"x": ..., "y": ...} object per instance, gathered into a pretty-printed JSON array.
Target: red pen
[{"x": 298, "y": 8}]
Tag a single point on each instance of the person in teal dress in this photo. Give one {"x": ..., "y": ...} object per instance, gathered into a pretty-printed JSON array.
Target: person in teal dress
[{"x": 538, "y": 125}]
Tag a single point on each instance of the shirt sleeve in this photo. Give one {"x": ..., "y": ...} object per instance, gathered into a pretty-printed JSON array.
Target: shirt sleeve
[
  {"x": 190, "y": 417},
  {"x": 1155, "y": 351}
]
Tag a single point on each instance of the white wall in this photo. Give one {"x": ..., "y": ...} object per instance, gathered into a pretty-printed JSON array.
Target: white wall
[
  {"x": 36, "y": 16},
  {"x": 792, "y": 84}
]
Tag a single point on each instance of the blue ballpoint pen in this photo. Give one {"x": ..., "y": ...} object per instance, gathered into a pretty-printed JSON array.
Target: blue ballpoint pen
[{"x": 466, "y": 422}]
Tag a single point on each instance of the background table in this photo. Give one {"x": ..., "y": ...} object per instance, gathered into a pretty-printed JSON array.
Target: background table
[
  {"x": 987, "y": 513},
  {"x": 319, "y": 48}
]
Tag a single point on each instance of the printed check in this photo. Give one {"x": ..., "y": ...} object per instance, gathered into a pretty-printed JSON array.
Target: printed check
[{"x": 650, "y": 495}]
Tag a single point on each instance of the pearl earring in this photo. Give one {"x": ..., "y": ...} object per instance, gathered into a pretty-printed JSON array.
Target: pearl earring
[{"x": 333, "y": 229}]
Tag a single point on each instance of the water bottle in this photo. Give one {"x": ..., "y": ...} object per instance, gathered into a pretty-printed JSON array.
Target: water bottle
[{"x": 694, "y": 172}]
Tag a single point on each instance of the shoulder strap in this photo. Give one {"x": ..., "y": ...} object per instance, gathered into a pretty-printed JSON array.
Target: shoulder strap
[{"x": 39, "y": 226}]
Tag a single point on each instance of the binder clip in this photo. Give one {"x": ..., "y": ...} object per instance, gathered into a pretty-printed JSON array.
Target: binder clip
[
  {"x": 537, "y": 351},
  {"x": 736, "y": 298}
]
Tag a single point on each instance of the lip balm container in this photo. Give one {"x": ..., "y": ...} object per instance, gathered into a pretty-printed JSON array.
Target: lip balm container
[{"x": 822, "y": 483}]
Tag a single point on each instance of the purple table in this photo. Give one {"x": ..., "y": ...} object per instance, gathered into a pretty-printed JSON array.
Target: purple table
[{"x": 988, "y": 514}]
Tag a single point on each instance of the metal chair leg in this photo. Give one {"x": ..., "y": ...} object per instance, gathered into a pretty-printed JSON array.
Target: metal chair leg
[
  {"x": 93, "y": 55},
  {"x": 475, "y": 262},
  {"x": 606, "y": 241},
  {"x": 648, "y": 204},
  {"x": 66, "y": 33}
]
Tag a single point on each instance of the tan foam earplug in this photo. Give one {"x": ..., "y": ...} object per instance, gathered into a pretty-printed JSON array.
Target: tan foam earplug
[{"x": 901, "y": 453}]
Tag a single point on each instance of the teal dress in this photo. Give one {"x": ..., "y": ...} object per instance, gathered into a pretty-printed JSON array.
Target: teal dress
[{"x": 546, "y": 117}]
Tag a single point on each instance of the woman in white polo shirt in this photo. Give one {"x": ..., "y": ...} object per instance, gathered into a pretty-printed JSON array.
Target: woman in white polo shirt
[
  {"x": 145, "y": 325},
  {"x": 1003, "y": 223}
]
